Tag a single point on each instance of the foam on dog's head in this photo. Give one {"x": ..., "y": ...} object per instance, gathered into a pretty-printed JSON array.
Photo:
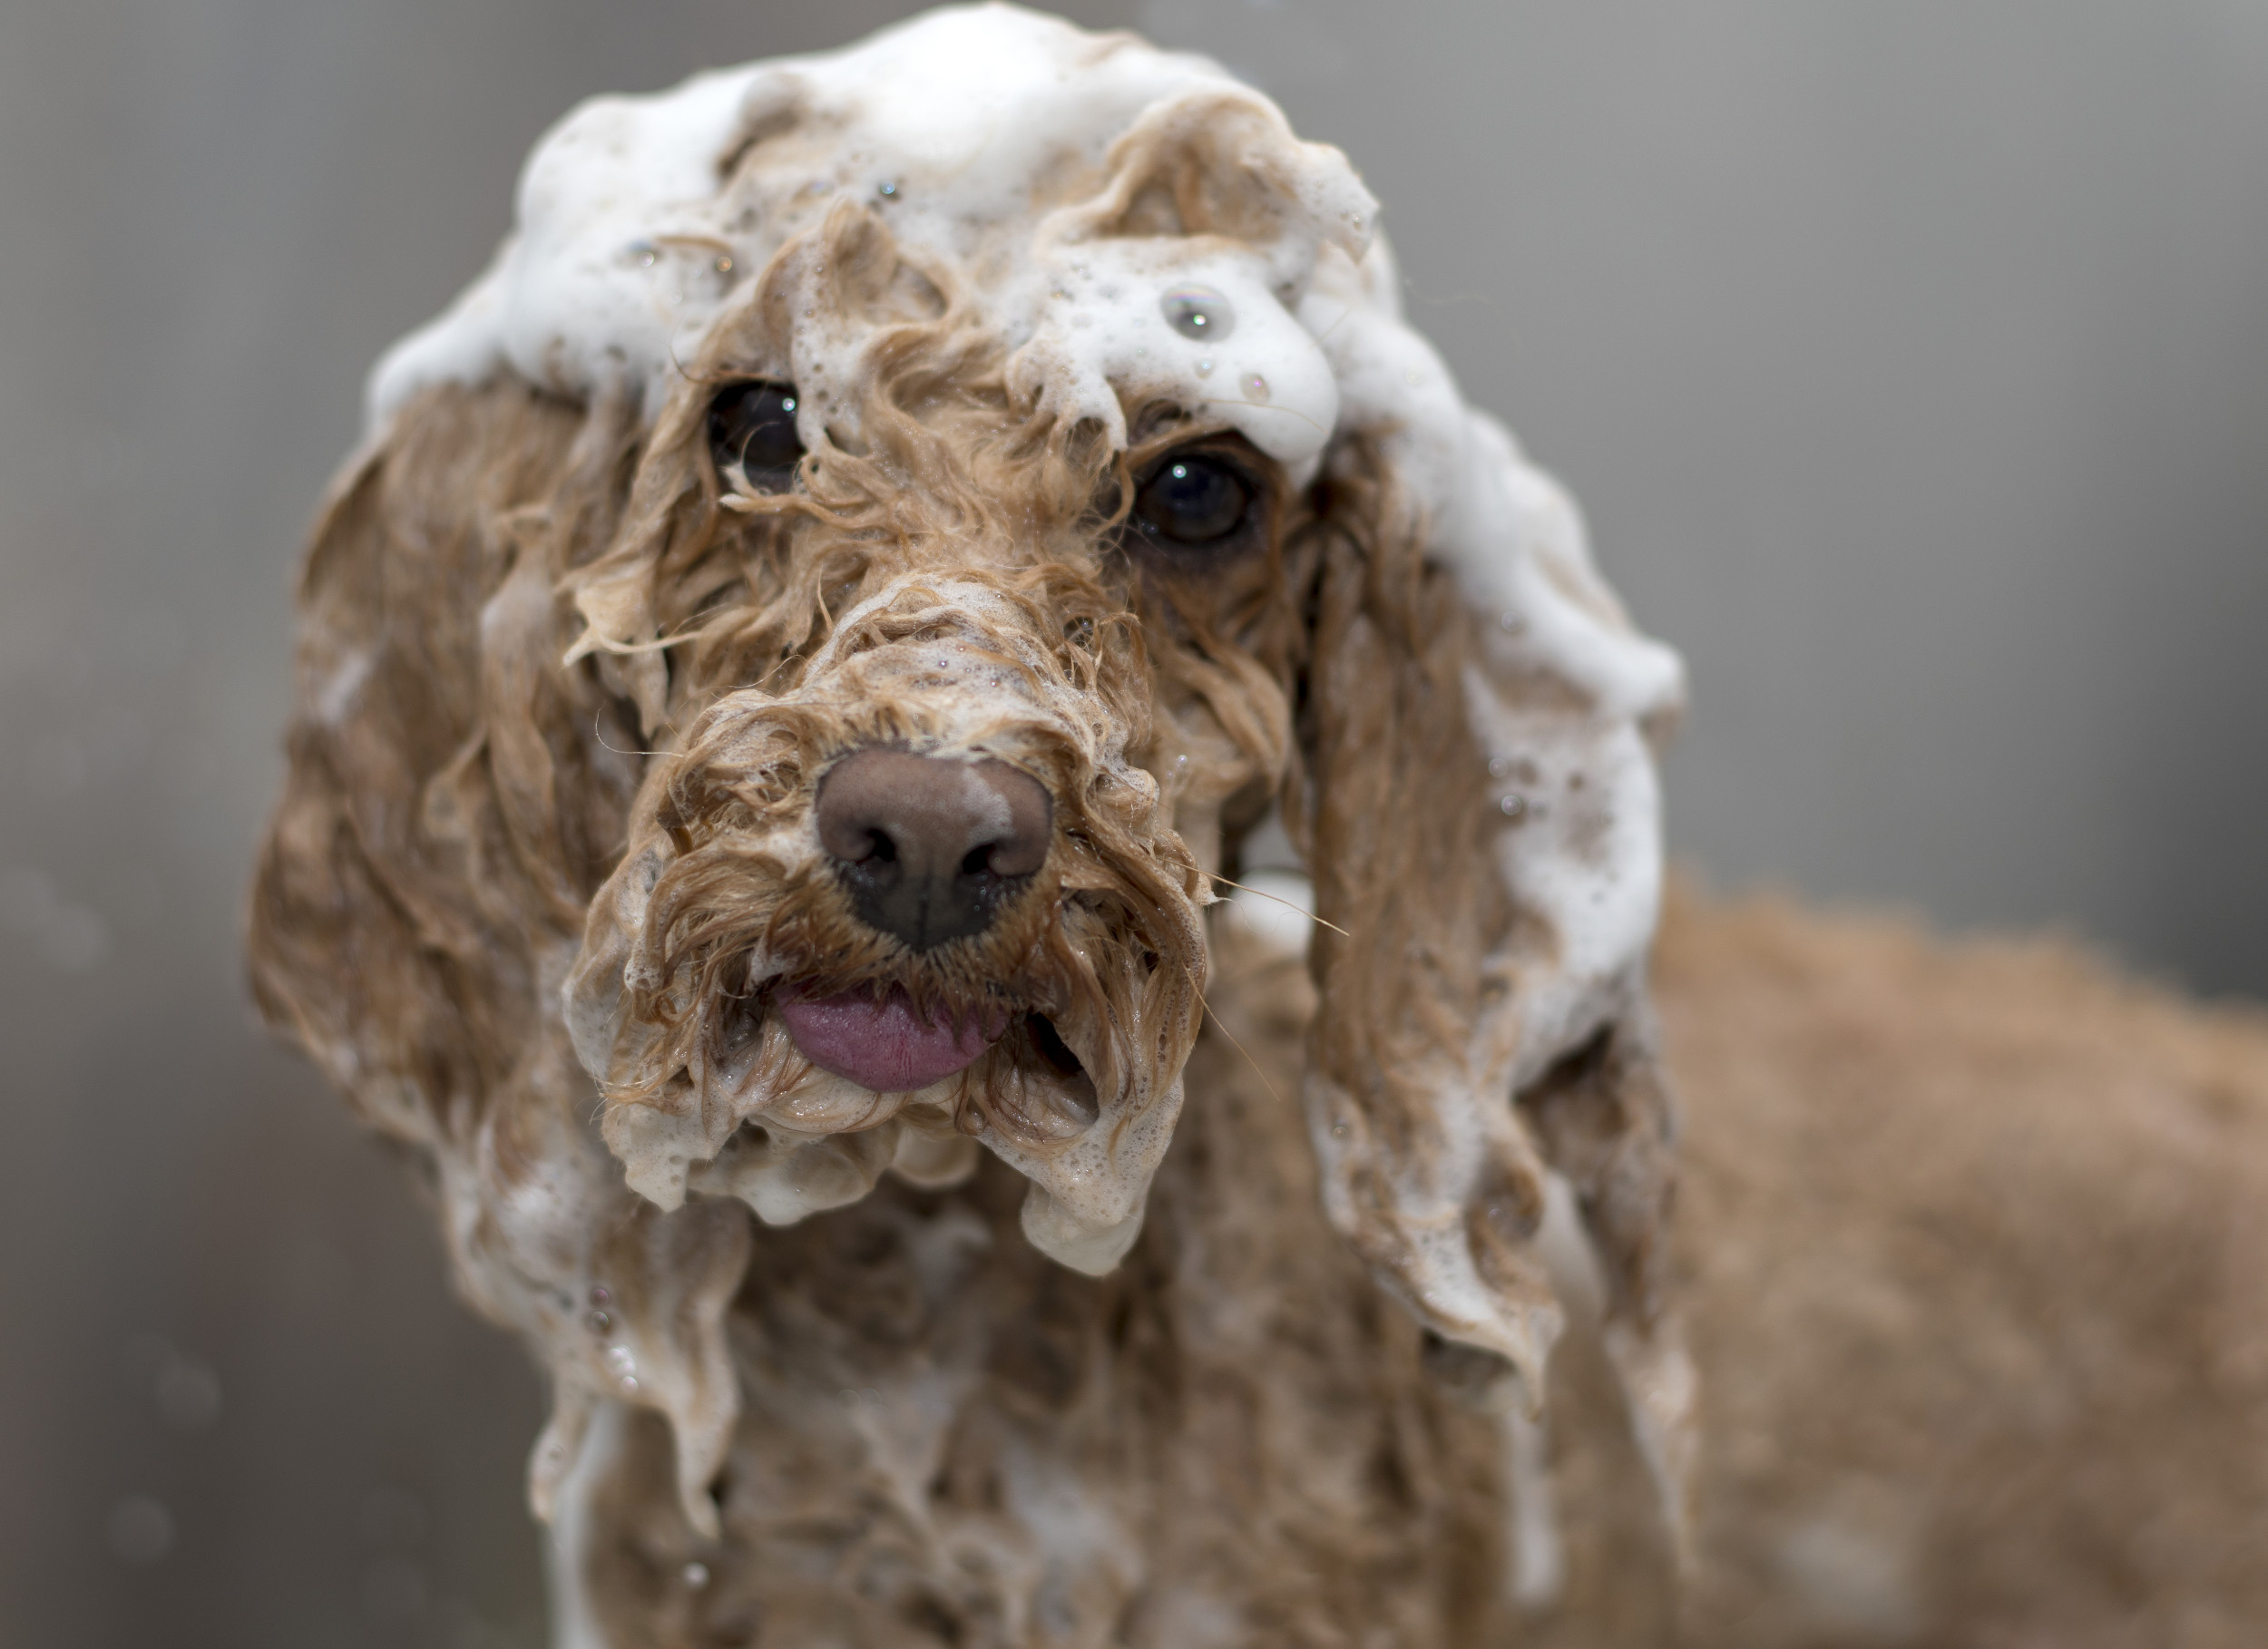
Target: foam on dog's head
[
  {"x": 971, "y": 130},
  {"x": 1136, "y": 225}
]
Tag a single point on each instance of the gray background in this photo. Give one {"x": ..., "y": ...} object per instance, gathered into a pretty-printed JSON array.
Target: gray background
[{"x": 1911, "y": 359}]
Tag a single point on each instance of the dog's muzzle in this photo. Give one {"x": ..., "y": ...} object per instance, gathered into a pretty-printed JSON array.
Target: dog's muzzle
[{"x": 930, "y": 848}]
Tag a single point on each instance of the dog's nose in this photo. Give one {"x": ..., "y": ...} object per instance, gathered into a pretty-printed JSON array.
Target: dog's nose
[{"x": 928, "y": 846}]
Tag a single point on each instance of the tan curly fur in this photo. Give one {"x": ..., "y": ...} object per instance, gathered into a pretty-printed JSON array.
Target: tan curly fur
[
  {"x": 569, "y": 691},
  {"x": 546, "y": 857}
]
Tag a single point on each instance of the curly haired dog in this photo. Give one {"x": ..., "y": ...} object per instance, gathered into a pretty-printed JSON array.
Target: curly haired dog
[{"x": 810, "y": 631}]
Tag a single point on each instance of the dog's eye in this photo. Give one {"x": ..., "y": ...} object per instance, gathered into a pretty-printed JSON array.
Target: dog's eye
[
  {"x": 752, "y": 428},
  {"x": 1193, "y": 503}
]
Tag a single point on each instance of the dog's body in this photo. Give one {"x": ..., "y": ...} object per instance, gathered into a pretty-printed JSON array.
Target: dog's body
[
  {"x": 810, "y": 631},
  {"x": 1970, "y": 1242}
]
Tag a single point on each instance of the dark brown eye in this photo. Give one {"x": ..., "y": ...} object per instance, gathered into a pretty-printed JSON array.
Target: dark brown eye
[
  {"x": 1194, "y": 503},
  {"x": 752, "y": 429}
]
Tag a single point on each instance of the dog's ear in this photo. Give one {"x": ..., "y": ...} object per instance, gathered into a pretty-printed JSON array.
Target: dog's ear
[
  {"x": 1480, "y": 809},
  {"x": 453, "y": 798}
]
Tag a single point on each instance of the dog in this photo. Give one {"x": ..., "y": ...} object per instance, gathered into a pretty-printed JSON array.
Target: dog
[{"x": 809, "y": 639}]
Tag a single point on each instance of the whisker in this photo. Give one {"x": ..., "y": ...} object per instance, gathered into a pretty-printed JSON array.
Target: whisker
[
  {"x": 659, "y": 644},
  {"x": 1286, "y": 904},
  {"x": 599, "y": 733},
  {"x": 1241, "y": 1048},
  {"x": 1333, "y": 327}
]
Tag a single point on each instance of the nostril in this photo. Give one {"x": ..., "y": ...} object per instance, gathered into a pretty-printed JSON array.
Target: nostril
[{"x": 931, "y": 847}]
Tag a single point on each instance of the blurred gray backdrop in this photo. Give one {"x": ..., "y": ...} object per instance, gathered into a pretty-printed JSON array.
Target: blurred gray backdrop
[{"x": 1911, "y": 359}]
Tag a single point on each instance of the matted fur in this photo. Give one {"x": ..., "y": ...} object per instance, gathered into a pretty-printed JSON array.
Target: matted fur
[{"x": 547, "y": 858}]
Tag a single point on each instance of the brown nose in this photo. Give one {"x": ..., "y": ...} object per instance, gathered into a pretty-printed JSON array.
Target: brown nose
[{"x": 929, "y": 847}]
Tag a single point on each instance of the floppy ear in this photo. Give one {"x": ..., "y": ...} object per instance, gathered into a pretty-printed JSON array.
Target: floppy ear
[
  {"x": 454, "y": 799},
  {"x": 1482, "y": 822}
]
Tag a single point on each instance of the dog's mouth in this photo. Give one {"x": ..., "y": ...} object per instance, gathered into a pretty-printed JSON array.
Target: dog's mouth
[{"x": 887, "y": 1045}]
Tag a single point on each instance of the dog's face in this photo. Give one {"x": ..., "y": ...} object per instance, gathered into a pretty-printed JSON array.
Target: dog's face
[
  {"x": 910, "y": 513},
  {"x": 925, "y": 861}
]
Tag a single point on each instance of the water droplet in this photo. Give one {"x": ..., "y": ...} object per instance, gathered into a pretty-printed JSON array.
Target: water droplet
[
  {"x": 723, "y": 266},
  {"x": 630, "y": 1385},
  {"x": 139, "y": 1529},
  {"x": 598, "y": 1323},
  {"x": 1255, "y": 386},
  {"x": 1511, "y": 623},
  {"x": 1339, "y": 1130},
  {"x": 645, "y": 254},
  {"x": 619, "y": 1361},
  {"x": 695, "y": 1575},
  {"x": 1513, "y": 805},
  {"x": 1199, "y": 312},
  {"x": 599, "y": 1294},
  {"x": 1499, "y": 767},
  {"x": 887, "y": 190}
]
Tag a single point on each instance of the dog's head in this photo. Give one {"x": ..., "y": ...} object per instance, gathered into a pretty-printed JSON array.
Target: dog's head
[{"x": 1023, "y": 484}]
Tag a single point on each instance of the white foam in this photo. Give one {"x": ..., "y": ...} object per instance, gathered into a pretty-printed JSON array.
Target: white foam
[{"x": 628, "y": 244}]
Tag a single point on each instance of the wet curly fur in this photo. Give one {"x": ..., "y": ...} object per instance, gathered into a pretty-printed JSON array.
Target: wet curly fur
[{"x": 565, "y": 691}]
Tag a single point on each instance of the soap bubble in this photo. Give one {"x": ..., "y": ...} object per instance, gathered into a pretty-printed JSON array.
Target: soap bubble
[
  {"x": 1204, "y": 367},
  {"x": 140, "y": 1530},
  {"x": 1255, "y": 386},
  {"x": 1199, "y": 312}
]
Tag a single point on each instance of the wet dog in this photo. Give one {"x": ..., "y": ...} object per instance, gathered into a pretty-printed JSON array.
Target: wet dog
[{"x": 812, "y": 633}]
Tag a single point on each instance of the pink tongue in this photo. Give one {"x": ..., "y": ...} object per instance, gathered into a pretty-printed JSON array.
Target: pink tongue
[{"x": 883, "y": 1045}]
